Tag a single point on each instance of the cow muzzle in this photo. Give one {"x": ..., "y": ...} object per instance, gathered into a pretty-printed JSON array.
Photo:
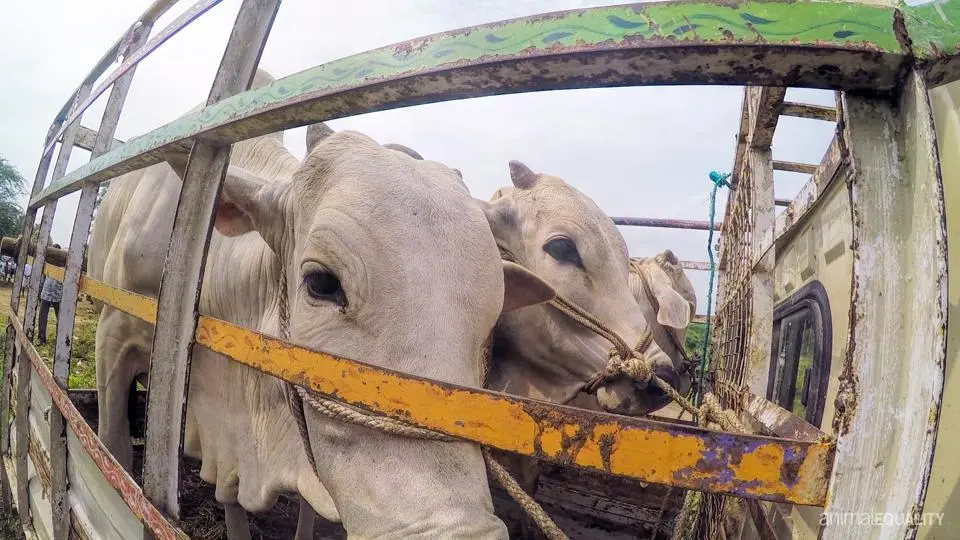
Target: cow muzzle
[{"x": 623, "y": 395}]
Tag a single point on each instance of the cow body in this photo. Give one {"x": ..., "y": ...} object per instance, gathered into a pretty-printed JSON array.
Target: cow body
[{"x": 347, "y": 228}]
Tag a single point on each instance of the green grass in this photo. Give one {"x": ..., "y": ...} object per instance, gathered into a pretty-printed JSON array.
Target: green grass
[
  {"x": 82, "y": 358},
  {"x": 693, "y": 341}
]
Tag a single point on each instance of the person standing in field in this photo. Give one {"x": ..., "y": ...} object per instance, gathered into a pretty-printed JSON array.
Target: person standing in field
[{"x": 49, "y": 297}]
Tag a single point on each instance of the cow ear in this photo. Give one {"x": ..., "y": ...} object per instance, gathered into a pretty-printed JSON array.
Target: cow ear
[
  {"x": 522, "y": 288},
  {"x": 247, "y": 203},
  {"x": 674, "y": 309},
  {"x": 501, "y": 214}
]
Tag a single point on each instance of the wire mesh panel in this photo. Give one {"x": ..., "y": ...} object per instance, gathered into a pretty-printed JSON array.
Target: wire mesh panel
[{"x": 732, "y": 326}]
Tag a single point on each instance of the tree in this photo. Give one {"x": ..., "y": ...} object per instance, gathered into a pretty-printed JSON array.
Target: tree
[{"x": 12, "y": 187}]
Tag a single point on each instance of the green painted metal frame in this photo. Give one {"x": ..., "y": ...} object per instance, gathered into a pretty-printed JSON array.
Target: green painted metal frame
[{"x": 837, "y": 45}]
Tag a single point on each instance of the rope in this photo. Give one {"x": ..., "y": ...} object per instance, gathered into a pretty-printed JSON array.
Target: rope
[
  {"x": 718, "y": 180},
  {"x": 297, "y": 396},
  {"x": 530, "y": 506}
]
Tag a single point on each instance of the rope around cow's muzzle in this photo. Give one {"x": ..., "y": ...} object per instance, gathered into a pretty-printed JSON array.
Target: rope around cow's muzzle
[{"x": 297, "y": 396}]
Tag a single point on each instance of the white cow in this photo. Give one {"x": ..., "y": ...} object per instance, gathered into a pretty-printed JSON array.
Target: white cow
[
  {"x": 388, "y": 260},
  {"x": 561, "y": 235}
]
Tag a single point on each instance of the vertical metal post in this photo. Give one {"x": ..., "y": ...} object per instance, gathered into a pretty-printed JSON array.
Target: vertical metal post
[
  {"x": 33, "y": 295},
  {"x": 765, "y": 104},
  {"x": 42, "y": 168},
  {"x": 183, "y": 270},
  {"x": 71, "y": 282},
  {"x": 891, "y": 385}
]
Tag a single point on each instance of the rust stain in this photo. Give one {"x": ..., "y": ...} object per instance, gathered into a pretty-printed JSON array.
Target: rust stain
[{"x": 607, "y": 442}]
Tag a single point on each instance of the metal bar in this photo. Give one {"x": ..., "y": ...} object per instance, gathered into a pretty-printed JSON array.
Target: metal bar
[
  {"x": 690, "y": 457},
  {"x": 150, "y": 15},
  {"x": 68, "y": 301},
  {"x": 764, "y": 109},
  {"x": 596, "y": 47},
  {"x": 898, "y": 314},
  {"x": 766, "y": 103},
  {"x": 789, "y": 166},
  {"x": 781, "y": 202},
  {"x": 113, "y": 473},
  {"x": 6, "y": 497},
  {"x": 932, "y": 32},
  {"x": 780, "y": 421},
  {"x": 29, "y": 219},
  {"x": 812, "y": 112},
  {"x": 665, "y": 223},
  {"x": 695, "y": 265},
  {"x": 831, "y": 167},
  {"x": 87, "y": 138},
  {"x": 61, "y": 517},
  {"x": 132, "y": 60},
  {"x": 22, "y": 426},
  {"x": 183, "y": 270}
]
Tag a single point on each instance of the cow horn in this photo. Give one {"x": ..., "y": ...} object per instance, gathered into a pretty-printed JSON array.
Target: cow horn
[
  {"x": 405, "y": 149},
  {"x": 521, "y": 175},
  {"x": 316, "y": 133}
]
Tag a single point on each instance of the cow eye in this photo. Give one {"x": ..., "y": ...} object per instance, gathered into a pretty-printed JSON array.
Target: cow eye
[
  {"x": 563, "y": 250},
  {"x": 325, "y": 286}
]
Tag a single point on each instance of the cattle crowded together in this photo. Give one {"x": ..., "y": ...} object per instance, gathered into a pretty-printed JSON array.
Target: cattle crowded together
[{"x": 372, "y": 252}]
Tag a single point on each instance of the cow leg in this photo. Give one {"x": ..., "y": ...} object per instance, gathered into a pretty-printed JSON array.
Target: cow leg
[
  {"x": 305, "y": 521},
  {"x": 120, "y": 357},
  {"x": 238, "y": 528}
]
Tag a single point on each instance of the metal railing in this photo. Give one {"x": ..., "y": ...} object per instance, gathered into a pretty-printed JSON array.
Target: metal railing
[{"x": 834, "y": 45}]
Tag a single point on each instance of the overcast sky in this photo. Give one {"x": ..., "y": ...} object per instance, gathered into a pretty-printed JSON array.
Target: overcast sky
[{"x": 643, "y": 152}]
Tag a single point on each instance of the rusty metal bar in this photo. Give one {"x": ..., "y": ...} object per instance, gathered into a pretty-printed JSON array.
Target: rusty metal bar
[
  {"x": 595, "y": 47},
  {"x": 87, "y": 138},
  {"x": 764, "y": 115},
  {"x": 789, "y": 166},
  {"x": 68, "y": 302},
  {"x": 695, "y": 265},
  {"x": 780, "y": 421},
  {"x": 150, "y": 15},
  {"x": 59, "y": 507},
  {"x": 766, "y": 103},
  {"x": 28, "y": 222},
  {"x": 22, "y": 419},
  {"x": 183, "y": 270},
  {"x": 813, "y": 112},
  {"x": 686, "y": 456},
  {"x": 113, "y": 473},
  {"x": 898, "y": 315},
  {"x": 665, "y": 223},
  {"x": 135, "y": 58}
]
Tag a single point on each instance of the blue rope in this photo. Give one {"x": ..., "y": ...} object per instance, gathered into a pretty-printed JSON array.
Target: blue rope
[{"x": 718, "y": 180}]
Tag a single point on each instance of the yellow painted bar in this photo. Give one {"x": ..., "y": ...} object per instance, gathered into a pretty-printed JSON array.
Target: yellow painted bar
[{"x": 671, "y": 454}]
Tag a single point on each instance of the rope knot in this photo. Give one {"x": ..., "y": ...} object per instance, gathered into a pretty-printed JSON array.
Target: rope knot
[
  {"x": 719, "y": 180},
  {"x": 631, "y": 363},
  {"x": 634, "y": 366}
]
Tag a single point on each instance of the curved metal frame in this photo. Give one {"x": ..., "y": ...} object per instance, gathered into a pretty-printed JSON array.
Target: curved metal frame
[{"x": 844, "y": 46}]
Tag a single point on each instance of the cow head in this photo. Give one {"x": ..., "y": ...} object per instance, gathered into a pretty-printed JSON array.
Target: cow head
[
  {"x": 388, "y": 260},
  {"x": 561, "y": 235}
]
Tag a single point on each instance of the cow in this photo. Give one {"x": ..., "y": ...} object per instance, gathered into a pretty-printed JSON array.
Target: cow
[
  {"x": 562, "y": 236},
  {"x": 389, "y": 260}
]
